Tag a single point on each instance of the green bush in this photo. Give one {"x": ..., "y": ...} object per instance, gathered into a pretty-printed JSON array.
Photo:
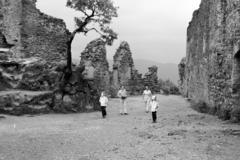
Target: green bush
[{"x": 168, "y": 87}]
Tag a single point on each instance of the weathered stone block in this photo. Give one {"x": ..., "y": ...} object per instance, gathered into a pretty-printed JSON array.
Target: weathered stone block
[{"x": 19, "y": 102}]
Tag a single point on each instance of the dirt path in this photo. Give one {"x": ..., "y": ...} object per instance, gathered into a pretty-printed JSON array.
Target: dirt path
[{"x": 180, "y": 134}]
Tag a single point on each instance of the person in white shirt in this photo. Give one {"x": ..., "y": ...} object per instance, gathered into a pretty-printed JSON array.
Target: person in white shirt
[
  {"x": 103, "y": 102},
  {"x": 154, "y": 106},
  {"x": 122, "y": 94},
  {"x": 147, "y": 98}
]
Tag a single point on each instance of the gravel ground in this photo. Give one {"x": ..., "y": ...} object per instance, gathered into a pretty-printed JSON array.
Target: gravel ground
[{"x": 180, "y": 134}]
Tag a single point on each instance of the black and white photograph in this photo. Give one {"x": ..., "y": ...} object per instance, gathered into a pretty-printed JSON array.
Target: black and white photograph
[{"x": 119, "y": 79}]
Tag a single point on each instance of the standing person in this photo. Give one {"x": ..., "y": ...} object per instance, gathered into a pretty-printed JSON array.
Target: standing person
[
  {"x": 154, "y": 106},
  {"x": 147, "y": 98},
  {"x": 122, "y": 94},
  {"x": 103, "y": 102}
]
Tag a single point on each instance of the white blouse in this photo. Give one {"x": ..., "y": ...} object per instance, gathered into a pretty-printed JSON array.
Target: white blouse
[
  {"x": 103, "y": 101},
  {"x": 154, "y": 106}
]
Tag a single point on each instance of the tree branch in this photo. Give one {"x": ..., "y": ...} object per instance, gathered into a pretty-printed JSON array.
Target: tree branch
[
  {"x": 86, "y": 21},
  {"x": 92, "y": 29},
  {"x": 85, "y": 13}
]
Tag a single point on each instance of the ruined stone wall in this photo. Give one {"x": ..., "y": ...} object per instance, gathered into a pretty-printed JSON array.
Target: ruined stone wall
[
  {"x": 11, "y": 12},
  {"x": 123, "y": 66},
  {"x": 32, "y": 64},
  {"x": 31, "y": 32},
  {"x": 94, "y": 59},
  {"x": 212, "y": 41},
  {"x": 42, "y": 35},
  {"x": 124, "y": 72},
  {"x": 26, "y": 34}
]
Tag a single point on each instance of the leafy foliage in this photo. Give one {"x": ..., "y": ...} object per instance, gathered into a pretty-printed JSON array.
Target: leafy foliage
[
  {"x": 168, "y": 87},
  {"x": 97, "y": 13}
]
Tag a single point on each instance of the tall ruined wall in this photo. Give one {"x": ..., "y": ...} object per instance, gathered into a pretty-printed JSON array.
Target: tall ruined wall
[
  {"x": 124, "y": 72},
  {"x": 42, "y": 35},
  {"x": 31, "y": 32},
  {"x": 94, "y": 59},
  {"x": 211, "y": 66},
  {"x": 10, "y": 22},
  {"x": 32, "y": 47},
  {"x": 123, "y": 65}
]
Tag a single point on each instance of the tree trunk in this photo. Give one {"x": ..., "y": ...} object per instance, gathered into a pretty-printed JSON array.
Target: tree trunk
[{"x": 69, "y": 54}]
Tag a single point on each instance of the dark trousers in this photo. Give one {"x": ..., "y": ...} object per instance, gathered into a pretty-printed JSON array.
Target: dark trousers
[
  {"x": 104, "y": 113},
  {"x": 154, "y": 116}
]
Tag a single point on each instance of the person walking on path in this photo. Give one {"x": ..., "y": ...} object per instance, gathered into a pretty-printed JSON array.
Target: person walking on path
[
  {"x": 147, "y": 98},
  {"x": 122, "y": 94},
  {"x": 154, "y": 106},
  {"x": 103, "y": 102}
]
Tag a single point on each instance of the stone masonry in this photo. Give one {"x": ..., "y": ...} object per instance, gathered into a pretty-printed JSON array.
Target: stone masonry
[
  {"x": 32, "y": 46},
  {"x": 94, "y": 60},
  {"x": 210, "y": 72},
  {"x": 32, "y": 62},
  {"x": 30, "y": 32},
  {"x": 123, "y": 66}
]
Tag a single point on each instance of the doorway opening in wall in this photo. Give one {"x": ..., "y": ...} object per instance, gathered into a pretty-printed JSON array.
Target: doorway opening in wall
[{"x": 236, "y": 74}]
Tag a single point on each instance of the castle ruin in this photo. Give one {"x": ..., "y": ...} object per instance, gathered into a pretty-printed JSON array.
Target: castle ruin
[
  {"x": 94, "y": 60},
  {"x": 210, "y": 72}
]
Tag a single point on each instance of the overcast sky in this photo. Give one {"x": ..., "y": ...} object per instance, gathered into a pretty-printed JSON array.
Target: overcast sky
[{"x": 155, "y": 29}]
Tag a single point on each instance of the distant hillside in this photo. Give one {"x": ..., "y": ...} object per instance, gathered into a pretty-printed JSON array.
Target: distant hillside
[{"x": 165, "y": 70}]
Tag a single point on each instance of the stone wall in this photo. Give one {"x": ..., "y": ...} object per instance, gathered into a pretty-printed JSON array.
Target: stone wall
[
  {"x": 210, "y": 72},
  {"x": 31, "y": 32},
  {"x": 123, "y": 66},
  {"x": 94, "y": 60},
  {"x": 11, "y": 12},
  {"x": 32, "y": 64},
  {"x": 35, "y": 42}
]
